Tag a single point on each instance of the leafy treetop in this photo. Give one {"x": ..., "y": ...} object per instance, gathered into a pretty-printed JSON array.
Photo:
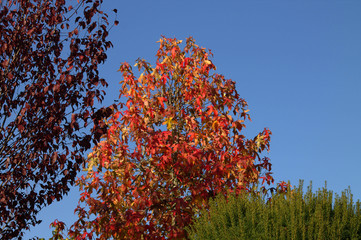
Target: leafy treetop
[{"x": 175, "y": 143}]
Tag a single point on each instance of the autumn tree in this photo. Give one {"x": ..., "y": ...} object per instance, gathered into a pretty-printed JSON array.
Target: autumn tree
[
  {"x": 49, "y": 80},
  {"x": 174, "y": 143}
]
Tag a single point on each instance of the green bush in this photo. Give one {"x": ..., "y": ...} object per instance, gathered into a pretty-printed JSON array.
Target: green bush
[{"x": 293, "y": 215}]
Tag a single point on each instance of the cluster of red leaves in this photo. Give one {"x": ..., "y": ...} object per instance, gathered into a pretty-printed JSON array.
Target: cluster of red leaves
[
  {"x": 174, "y": 144},
  {"x": 49, "y": 57}
]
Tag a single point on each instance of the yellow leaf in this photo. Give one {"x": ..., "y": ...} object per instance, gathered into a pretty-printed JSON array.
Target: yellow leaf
[
  {"x": 146, "y": 120},
  {"x": 215, "y": 125},
  {"x": 169, "y": 122},
  {"x": 141, "y": 77},
  {"x": 165, "y": 60},
  {"x": 91, "y": 155}
]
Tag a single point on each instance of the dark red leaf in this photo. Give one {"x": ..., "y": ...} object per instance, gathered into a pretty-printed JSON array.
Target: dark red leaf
[{"x": 37, "y": 86}]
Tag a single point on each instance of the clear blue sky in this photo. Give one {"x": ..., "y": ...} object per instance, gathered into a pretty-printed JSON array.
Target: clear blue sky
[{"x": 297, "y": 64}]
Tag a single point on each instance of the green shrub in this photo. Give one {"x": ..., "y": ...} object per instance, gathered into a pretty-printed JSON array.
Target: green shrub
[{"x": 293, "y": 215}]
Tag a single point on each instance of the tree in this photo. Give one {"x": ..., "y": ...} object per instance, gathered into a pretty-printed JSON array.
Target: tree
[
  {"x": 49, "y": 79},
  {"x": 291, "y": 215},
  {"x": 172, "y": 146}
]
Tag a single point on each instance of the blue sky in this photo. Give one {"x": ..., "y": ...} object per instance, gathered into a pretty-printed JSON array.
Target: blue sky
[{"x": 296, "y": 63}]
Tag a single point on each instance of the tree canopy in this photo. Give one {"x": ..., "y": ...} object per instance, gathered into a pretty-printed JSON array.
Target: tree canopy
[
  {"x": 49, "y": 80},
  {"x": 174, "y": 142}
]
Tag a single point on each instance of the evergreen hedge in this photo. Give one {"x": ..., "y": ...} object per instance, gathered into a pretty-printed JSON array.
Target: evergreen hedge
[{"x": 292, "y": 215}]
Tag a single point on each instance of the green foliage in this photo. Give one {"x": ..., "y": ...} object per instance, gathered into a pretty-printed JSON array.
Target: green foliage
[{"x": 291, "y": 215}]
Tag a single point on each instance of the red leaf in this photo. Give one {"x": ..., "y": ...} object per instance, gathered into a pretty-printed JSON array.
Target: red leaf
[
  {"x": 174, "y": 52},
  {"x": 54, "y": 157}
]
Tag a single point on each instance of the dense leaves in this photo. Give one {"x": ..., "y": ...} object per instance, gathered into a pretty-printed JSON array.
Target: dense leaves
[
  {"x": 175, "y": 143},
  {"x": 292, "y": 215},
  {"x": 49, "y": 57}
]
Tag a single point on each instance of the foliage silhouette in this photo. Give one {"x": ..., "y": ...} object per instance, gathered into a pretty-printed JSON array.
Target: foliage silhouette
[{"x": 49, "y": 79}]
